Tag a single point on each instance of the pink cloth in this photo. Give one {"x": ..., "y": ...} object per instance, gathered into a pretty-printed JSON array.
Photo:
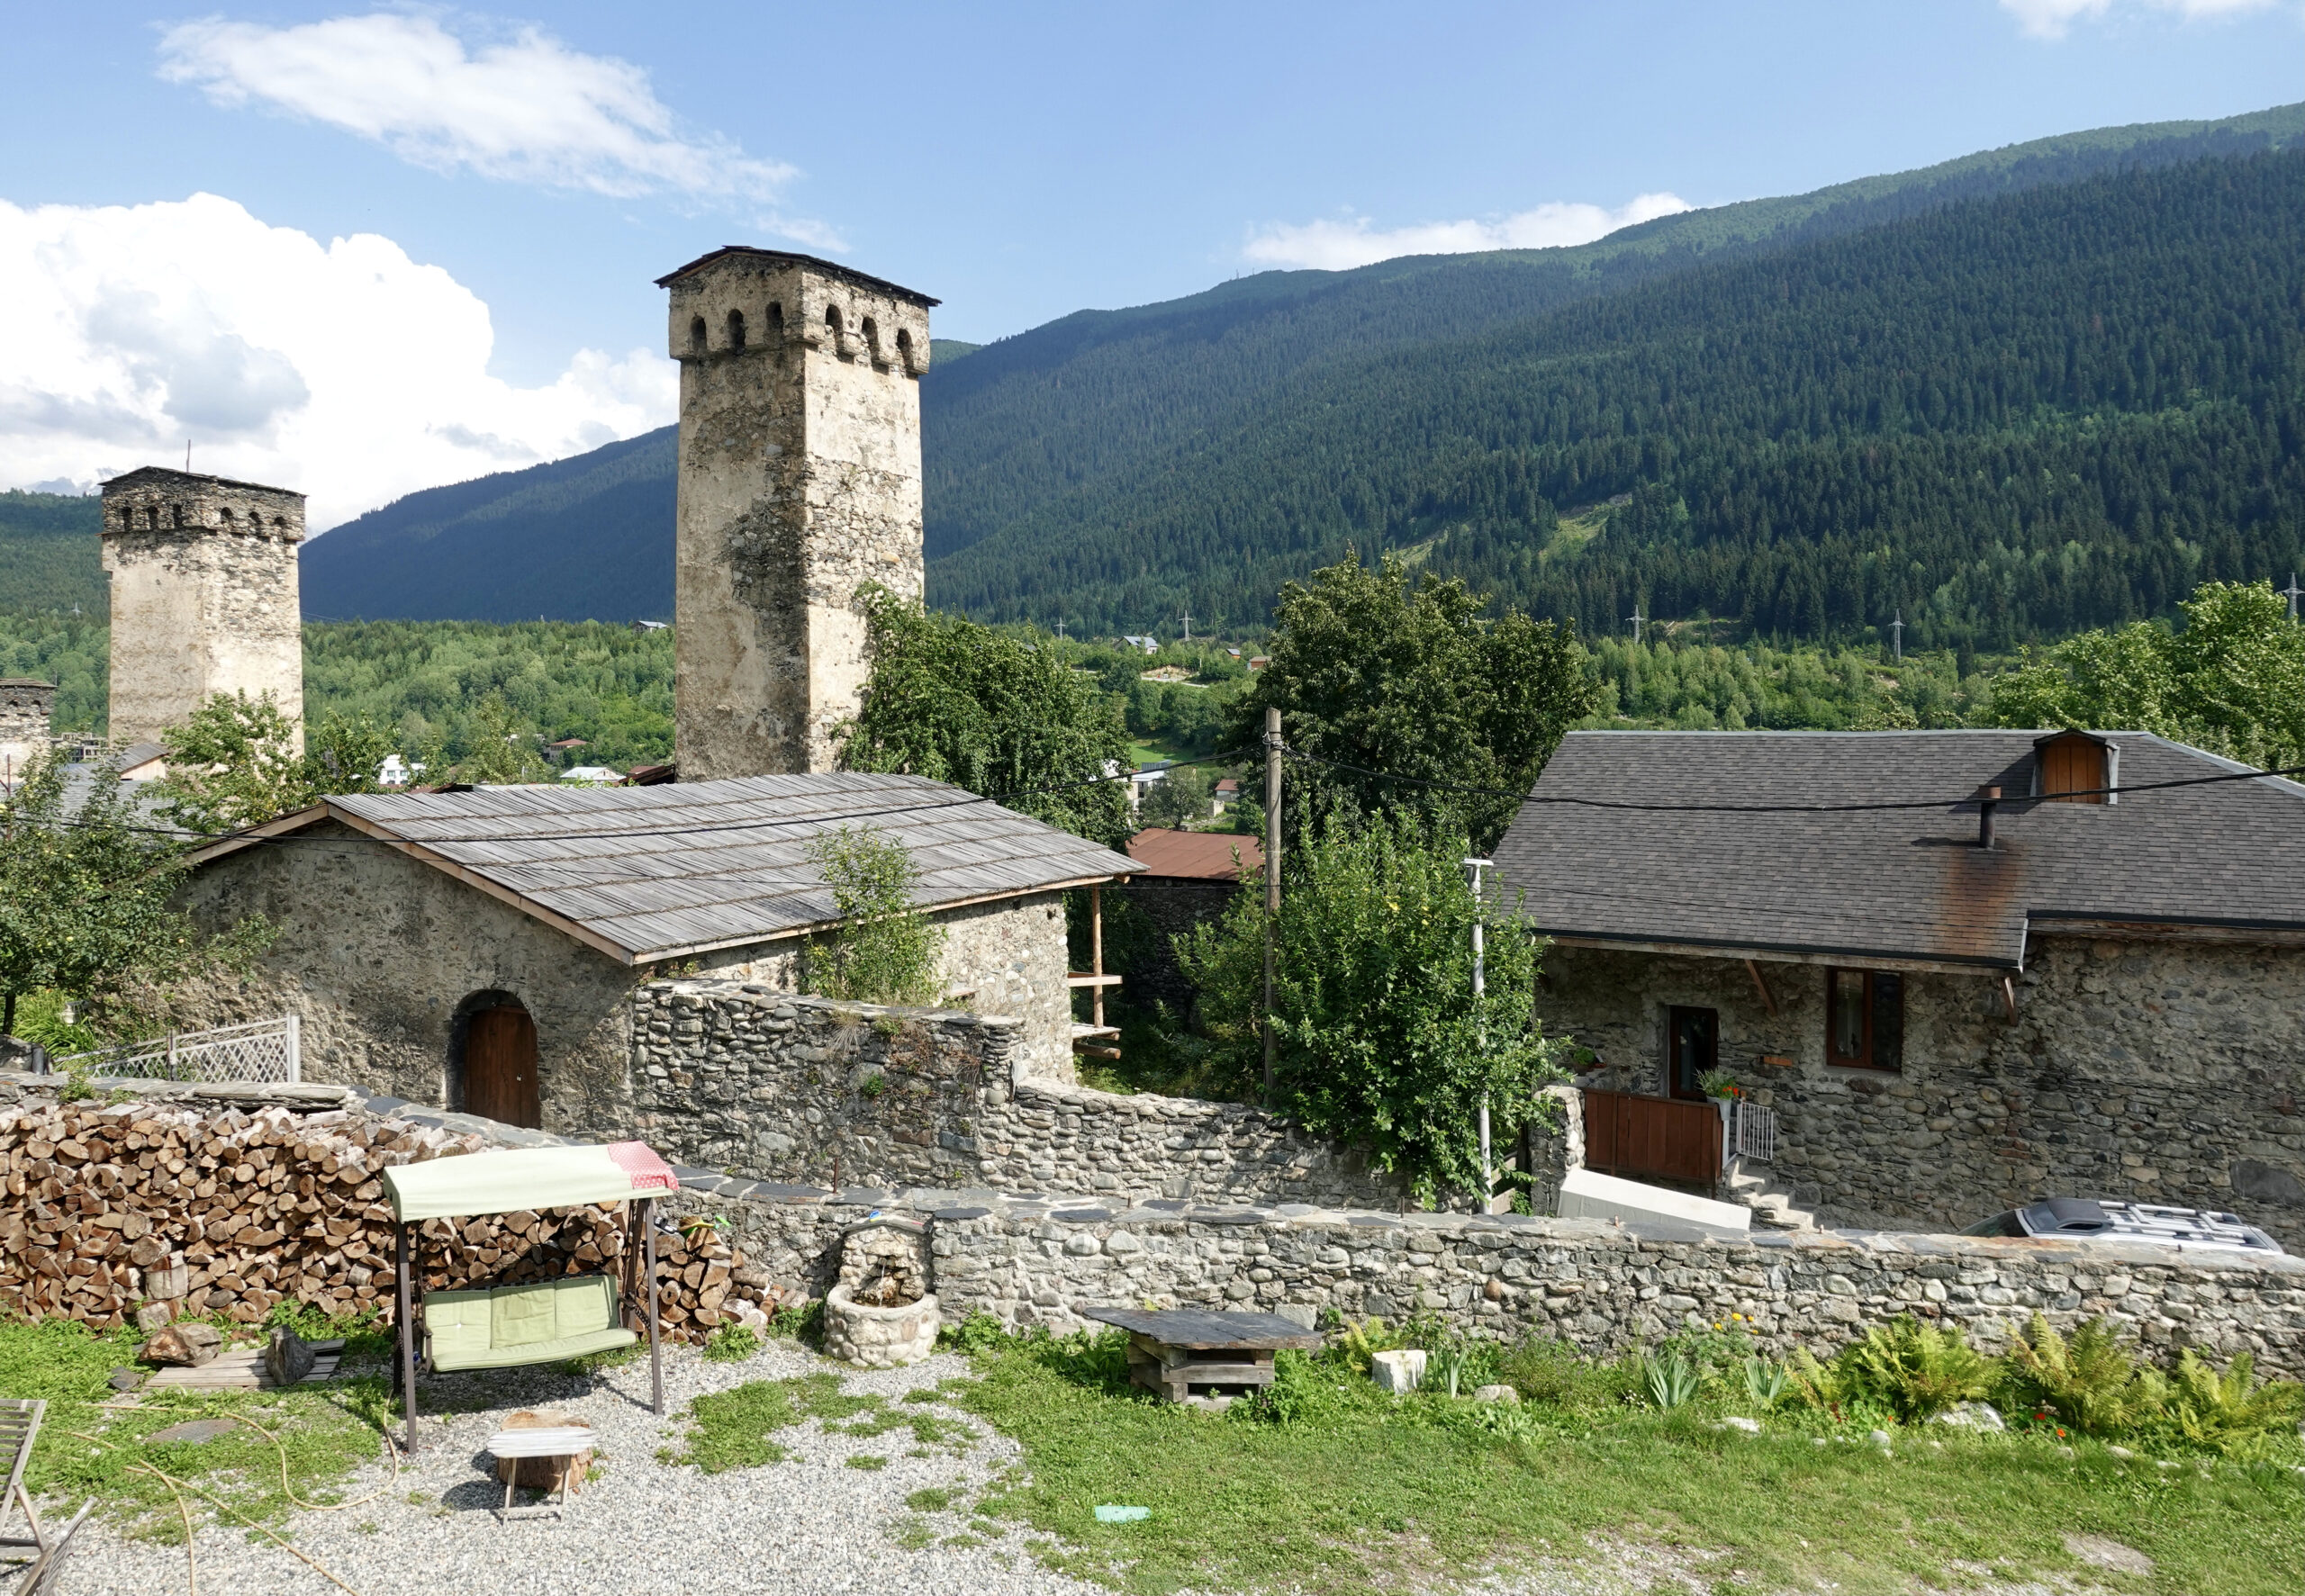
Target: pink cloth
[{"x": 649, "y": 1172}]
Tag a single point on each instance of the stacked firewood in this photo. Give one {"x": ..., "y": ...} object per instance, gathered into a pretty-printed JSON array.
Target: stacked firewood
[{"x": 152, "y": 1211}]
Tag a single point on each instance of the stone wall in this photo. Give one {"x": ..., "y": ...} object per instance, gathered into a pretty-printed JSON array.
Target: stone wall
[
  {"x": 1174, "y": 906},
  {"x": 799, "y": 481},
  {"x": 2161, "y": 1071},
  {"x": 26, "y": 705},
  {"x": 203, "y": 598},
  {"x": 768, "y": 1086}
]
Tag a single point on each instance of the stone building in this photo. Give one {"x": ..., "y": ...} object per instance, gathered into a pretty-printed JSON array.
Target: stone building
[
  {"x": 203, "y": 597},
  {"x": 25, "y": 705},
  {"x": 1190, "y": 876},
  {"x": 482, "y": 950},
  {"x": 799, "y": 482},
  {"x": 2108, "y": 1001}
]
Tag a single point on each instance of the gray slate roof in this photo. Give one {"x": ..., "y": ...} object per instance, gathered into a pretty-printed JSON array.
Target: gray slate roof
[
  {"x": 647, "y": 873},
  {"x": 1896, "y": 885}
]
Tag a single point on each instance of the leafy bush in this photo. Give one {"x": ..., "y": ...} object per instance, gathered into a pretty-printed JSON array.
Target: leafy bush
[
  {"x": 1672, "y": 1379},
  {"x": 732, "y": 1342},
  {"x": 884, "y": 950},
  {"x": 976, "y": 1335},
  {"x": 1554, "y": 1374}
]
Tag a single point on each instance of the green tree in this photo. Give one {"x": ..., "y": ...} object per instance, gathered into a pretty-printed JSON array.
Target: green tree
[
  {"x": 1379, "y": 1041},
  {"x": 1179, "y": 799},
  {"x": 500, "y": 747},
  {"x": 2231, "y": 680},
  {"x": 1377, "y": 670},
  {"x": 85, "y": 904},
  {"x": 884, "y": 950},
  {"x": 958, "y": 702},
  {"x": 233, "y": 764}
]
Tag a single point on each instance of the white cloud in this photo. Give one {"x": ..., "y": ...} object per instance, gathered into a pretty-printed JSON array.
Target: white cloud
[
  {"x": 345, "y": 370},
  {"x": 529, "y": 110},
  {"x": 2053, "y": 19},
  {"x": 1350, "y": 241}
]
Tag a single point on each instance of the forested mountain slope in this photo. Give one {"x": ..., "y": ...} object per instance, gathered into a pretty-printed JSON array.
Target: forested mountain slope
[
  {"x": 1028, "y": 420},
  {"x": 51, "y": 557},
  {"x": 586, "y": 539},
  {"x": 2009, "y": 417}
]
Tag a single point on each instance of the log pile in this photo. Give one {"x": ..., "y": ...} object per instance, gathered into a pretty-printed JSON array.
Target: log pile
[{"x": 154, "y": 1211}]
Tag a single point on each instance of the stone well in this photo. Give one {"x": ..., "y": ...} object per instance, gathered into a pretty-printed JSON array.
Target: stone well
[{"x": 881, "y": 1314}]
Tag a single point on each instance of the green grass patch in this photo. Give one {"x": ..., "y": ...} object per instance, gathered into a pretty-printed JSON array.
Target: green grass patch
[
  {"x": 730, "y": 1428},
  {"x": 930, "y": 1500},
  {"x": 85, "y": 1450},
  {"x": 869, "y": 1462},
  {"x": 1335, "y": 1487}
]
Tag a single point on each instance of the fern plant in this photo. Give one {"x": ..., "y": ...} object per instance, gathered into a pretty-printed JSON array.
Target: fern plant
[
  {"x": 1915, "y": 1370},
  {"x": 1361, "y": 1343},
  {"x": 2090, "y": 1381},
  {"x": 2228, "y": 1409}
]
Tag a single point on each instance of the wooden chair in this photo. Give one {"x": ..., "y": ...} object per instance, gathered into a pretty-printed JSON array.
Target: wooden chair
[{"x": 19, "y": 1428}]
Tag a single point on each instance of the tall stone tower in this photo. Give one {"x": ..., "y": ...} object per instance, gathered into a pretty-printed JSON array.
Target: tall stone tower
[
  {"x": 26, "y": 703},
  {"x": 799, "y": 482},
  {"x": 203, "y": 597}
]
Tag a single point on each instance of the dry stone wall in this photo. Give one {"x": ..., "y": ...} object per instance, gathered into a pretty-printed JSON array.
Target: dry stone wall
[{"x": 767, "y": 1085}]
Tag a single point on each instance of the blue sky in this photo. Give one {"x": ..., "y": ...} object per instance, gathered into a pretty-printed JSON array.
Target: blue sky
[{"x": 431, "y": 244}]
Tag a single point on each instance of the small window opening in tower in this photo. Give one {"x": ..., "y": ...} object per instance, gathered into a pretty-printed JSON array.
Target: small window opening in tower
[
  {"x": 696, "y": 336},
  {"x": 227, "y": 515},
  {"x": 152, "y": 517},
  {"x": 872, "y": 332},
  {"x": 176, "y": 514},
  {"x": 775, "y": 323},
  {"x": 832, "y": 318},
  {"x": 736, "y": 330}
]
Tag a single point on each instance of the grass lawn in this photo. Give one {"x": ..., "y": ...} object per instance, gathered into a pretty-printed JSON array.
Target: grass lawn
[
  {"x": 84, "y": 1450},
  {"x": 1359, "y": 1492}
]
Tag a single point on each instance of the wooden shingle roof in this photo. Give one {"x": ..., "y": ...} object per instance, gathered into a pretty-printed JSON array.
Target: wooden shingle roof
[
  {"x": 1895, "y": 884},
  {"x": 648, "y": 874}
]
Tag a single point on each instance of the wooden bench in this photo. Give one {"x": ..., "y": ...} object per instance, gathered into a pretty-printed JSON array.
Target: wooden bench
[{"x": 1172, "y": 1351}]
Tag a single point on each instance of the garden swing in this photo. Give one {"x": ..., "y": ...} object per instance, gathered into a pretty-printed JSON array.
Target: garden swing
[{"x": 533, "y": 1321}]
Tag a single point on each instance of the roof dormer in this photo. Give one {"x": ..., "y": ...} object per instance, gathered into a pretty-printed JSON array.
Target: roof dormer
[{"x": 2076, "y": 768}]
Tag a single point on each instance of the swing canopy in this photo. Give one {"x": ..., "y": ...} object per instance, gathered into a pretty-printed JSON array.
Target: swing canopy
[{"x": 526, "y": 1177}]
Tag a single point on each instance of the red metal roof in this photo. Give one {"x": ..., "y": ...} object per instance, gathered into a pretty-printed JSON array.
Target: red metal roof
[{"x": 1201, "y": 855}]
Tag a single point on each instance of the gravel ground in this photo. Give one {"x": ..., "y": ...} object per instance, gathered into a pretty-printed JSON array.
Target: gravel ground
[{"x": 807, "y": 1525}]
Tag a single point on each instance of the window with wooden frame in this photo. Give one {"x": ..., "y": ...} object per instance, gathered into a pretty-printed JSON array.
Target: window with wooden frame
[{"x": 1864, "y": 1019}]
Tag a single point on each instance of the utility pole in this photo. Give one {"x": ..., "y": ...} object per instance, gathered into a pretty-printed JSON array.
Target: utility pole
[
  {"x": 1635, "y": 618},
  {"x": 2292, "y": 592},
  {"x": 1480, "y": 988},
  {"x": 1272, "y": 877},
  {"x": 1897, "y": 628}
]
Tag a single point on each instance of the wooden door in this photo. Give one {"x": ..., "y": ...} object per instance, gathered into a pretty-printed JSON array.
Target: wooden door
[
  {"x": 2072, "y": 763},
  {"x": 500, "y": 1068}
]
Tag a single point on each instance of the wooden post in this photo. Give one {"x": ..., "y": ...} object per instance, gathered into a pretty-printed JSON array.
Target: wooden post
[
  {"x": 648, "y": 1249},
  {"x": 1271, "y": 877},
  {"x": 1097, "y": 954},
  {"x": 402, "y": 1266}
]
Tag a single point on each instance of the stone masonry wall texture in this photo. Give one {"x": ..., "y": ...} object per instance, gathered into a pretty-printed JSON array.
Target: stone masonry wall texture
[
  {"x": 768, "y": 1086},
  {"x": 203, "y": 598},
  {"x": 2157, "y": 1071},
  {"x": 799, "y": 482}
]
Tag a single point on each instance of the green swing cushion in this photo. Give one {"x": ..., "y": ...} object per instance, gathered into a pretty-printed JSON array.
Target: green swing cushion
[{"x": 541, "y": 1321}]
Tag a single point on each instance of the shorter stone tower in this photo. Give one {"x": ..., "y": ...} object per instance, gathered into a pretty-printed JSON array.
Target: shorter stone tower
[
  {"x": 24, "y": 707},
  {"x": 799, "y": 482},
  {"x": 203, "y": 597}
]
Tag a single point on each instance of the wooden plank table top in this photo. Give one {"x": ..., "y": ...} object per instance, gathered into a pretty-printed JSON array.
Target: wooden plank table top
[
  {"x": 241, "y": 1369},
  {"x": 1200, "y": 1329}
]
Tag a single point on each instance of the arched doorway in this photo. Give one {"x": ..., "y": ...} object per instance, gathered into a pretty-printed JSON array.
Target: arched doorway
[{"x": 496, "y": 1061}]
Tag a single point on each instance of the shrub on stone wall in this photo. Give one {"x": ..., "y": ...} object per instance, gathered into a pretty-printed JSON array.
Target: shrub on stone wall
[{"x": 884, "y": 950}]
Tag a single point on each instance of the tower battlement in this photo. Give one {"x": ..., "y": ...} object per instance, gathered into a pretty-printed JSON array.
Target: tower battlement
[
  {"x": 799, "y": 482},
  {"x": 204, "y": 596}
]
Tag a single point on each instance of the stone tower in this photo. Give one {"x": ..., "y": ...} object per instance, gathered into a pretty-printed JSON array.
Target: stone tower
[
  {"x": 203, "y": 597},
  {"x": 25, "y": 705},
  {"x": 799, "y": 482}
]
